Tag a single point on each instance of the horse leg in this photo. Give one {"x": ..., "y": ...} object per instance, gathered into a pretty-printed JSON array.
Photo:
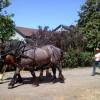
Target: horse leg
[
  {"x": 35, "y": 80},
  {"x": 61, "y": 77},
  {"x": 3, "y": 71},
  {"x": 41, "y": 75},
  {"x": 19, "y": 79},
  {"x": 48, "y": 74},
  {"x": 13, "y": 81},
  {"x": 54, "y": 74}
]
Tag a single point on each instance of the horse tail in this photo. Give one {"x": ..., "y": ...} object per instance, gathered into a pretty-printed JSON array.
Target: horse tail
[{"x": 57, "y": 53}]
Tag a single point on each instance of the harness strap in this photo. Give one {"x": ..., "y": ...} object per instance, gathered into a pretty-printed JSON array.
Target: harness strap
[{"x": 25, "y": 56}]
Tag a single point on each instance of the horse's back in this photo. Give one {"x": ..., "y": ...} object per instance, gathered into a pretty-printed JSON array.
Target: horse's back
[
  {"x": 54, "y": 52},
  {"x": 41, "y": 54},
  {"x": 37, "y": 55}
]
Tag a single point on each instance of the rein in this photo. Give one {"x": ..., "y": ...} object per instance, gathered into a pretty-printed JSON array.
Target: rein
[{"x": 25, "y": 56}]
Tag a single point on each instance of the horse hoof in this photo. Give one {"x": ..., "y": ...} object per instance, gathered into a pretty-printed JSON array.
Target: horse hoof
[
  {"x": 19, "y": 81},
  {"x": 62, "y": 81},
  {"x": 54, "y": 80},
  {"x": 10, "y": 87},
  {"x": 93, "y": 74},
  {"x": 9, "y": 84},
  {"x": 35, "y": 85}
]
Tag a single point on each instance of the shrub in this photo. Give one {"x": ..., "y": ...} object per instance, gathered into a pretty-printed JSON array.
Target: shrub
[
  {"x": 73, "y": 59},
  {"x": 85, "y": 59}
]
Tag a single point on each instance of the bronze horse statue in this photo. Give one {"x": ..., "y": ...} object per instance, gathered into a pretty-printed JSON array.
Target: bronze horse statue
[{"x": 43, "y": 56}]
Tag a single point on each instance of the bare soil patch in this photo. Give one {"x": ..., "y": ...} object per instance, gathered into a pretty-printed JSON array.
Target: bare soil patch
[{"x": 79, "y": 85}]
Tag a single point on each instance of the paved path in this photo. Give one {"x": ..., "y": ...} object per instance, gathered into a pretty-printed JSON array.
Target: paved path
[{"x": 79, "y": 85}]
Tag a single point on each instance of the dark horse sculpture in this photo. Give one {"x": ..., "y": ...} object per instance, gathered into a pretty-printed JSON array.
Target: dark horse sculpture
[{"x": 33, "y": 57}]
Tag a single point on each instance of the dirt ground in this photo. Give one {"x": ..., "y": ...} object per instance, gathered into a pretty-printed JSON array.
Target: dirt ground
[{"x": 79, "y": 85}]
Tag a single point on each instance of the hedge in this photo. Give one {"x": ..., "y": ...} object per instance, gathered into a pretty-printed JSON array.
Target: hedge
[{"x": 73, "y": 59}]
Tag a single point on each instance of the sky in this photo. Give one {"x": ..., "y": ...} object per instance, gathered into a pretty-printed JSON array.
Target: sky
[{"x": 34, "y": 13}]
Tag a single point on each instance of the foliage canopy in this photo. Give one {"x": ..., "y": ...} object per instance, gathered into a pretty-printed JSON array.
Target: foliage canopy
[
  {"x": 89, "y": 22},
  {"x": 7, "y": 25}
]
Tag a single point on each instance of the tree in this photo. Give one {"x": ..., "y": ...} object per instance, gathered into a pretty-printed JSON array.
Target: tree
[
  {"x": 69, "y": 39},
  {"x": 89, "y": 22},
  {"x": 3, "y": 4},
  {"x": 7, "y": 25}
]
